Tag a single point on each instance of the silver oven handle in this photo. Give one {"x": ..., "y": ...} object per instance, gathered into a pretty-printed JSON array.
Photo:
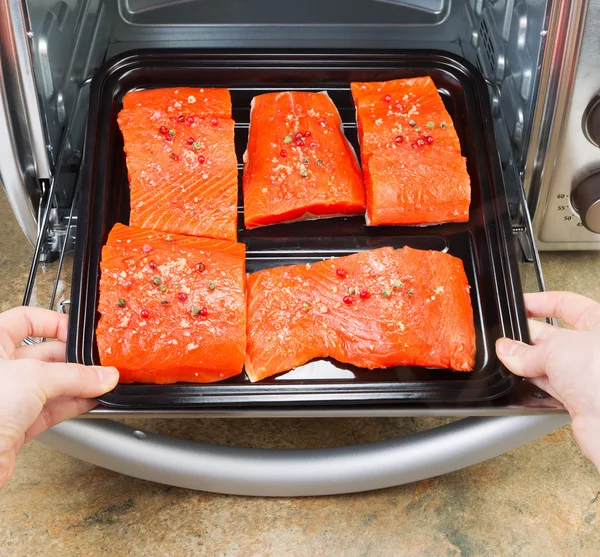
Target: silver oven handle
[{"x": 295, "y": 472}]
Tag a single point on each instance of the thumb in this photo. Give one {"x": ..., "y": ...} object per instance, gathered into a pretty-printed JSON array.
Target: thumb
[
  {"x": 522, "y": 359},
  {"x": 72, "y": 380}
]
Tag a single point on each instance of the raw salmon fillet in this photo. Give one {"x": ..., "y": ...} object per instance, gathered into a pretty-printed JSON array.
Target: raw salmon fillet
[
  {"x": 373, "y": 309},
  {"x": 298, "y": 164},
  {"x": 179, "y": 146},
  {"x": 172, "y": 308},
  {"x": 411, "y": 158},
  {"x": 201, "y": 103}
]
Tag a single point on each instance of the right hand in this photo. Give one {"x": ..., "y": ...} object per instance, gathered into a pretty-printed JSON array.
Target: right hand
[{"x": 563, "y": 362}]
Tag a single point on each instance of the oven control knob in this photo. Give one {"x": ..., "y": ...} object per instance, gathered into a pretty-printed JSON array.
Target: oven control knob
[
  {"x": 591, "y": 121},
  {"x": 586, "y": 200}
]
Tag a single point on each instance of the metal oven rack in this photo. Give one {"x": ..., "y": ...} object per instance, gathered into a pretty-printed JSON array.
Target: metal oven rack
[{"x": 486, "y": 430}]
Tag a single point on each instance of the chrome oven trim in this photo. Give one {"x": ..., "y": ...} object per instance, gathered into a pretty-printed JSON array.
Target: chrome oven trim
[
  {"x": 557, "y": 77},
  {"x": 24, "y": 156}
]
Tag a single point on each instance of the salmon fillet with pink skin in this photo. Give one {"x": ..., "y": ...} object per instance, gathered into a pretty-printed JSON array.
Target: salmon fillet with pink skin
[
  {"x": 374, "y": 309},
  {"x": 413, "y": 169},
  {"x": 298, "y": 164},
  {"x": 181, "y": 161},
  {"x": 172, "y": 308}
]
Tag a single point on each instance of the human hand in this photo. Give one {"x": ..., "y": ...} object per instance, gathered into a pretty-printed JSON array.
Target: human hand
[
  {"x": 563, "y": 362},
  {"x": 37, "y": 391}
]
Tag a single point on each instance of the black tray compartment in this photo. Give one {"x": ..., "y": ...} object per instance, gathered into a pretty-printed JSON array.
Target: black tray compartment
[{"x": 484, "y": 243}]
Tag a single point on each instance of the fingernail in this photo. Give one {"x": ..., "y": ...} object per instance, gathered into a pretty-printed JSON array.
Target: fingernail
[
  {"x": 108, "y": 375},
  {"x": 506, "y": 346}
]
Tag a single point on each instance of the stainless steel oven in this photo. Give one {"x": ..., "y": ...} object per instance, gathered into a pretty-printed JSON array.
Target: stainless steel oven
[{"x": 541, "y": 62}]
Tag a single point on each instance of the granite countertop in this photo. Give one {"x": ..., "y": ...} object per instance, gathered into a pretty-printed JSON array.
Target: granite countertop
[{"x": 540, "y": 499}]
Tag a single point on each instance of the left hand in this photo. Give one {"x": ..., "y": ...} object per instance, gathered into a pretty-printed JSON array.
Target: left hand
[{"x": 37, "y": 389}]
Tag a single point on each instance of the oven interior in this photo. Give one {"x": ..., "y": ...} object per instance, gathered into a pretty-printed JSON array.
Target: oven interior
[{"x": 70, "y": 39}]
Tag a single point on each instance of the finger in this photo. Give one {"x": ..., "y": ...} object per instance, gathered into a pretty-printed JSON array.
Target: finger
[
  {"x": 56, "y": 411},
  {"x": 540, "y": 331},
  {"x": 74, "y": 380},
  {"x": 522, "y": 359},
  {"x": 543, "y": 383},
  {"x": 577, "y": 311},
  {"x": 20, "y": 322},
  {"x": 7, "y": 466},
  {"x": 53, "y": 351}
]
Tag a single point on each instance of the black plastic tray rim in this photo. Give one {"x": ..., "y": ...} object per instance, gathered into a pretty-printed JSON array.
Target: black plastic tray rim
[{"x": 93, "y": 220}]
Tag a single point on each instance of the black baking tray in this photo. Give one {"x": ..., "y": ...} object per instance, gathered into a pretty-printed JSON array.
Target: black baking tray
[{"x": 484, "y": 243}]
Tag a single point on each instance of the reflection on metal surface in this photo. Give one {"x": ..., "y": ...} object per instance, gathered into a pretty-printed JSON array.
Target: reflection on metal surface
[
  {"x": 565, "y": 154},
  {"x": 12, "y": 176},
  {"x": 563, "y": 39},
  {"x": 23, "y": 66},
  {"x": 18, "y": 172},
  {"x": 435, "y": 7},
  {"x": 283, "y": 12},
  {"x": 586, "y": 201},
  {"x": 591, "y": 121}
]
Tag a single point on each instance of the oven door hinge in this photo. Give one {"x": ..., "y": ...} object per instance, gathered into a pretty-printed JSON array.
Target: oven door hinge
[
  {"x": 524, "y": 242},
  {"x": 523, "y": 230},
  {"x": 60, "y": 235},
  {"x": 56, "y": 226}
]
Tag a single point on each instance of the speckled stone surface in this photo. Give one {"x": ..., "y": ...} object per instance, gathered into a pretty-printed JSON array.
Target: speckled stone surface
[{"x": 542, "y": 499}]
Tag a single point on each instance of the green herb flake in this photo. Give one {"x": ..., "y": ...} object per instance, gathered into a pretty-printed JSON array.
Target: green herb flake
[
  {"x": 352, "y": 290},
  {"x": 319, "y": 162},
  {"x": 164, "y": 303},
  {"x": 430, "y": 124},
  {"x": 386, "y": 292},
  {"x": 212, "y": 285},
  {"x": 157, "y": 281},
  {"x": 195, "y": 311},
  {"x": 303, "y": 171},
  {"x": 196, "y": 145},
  {"x": 121, "y": 303},
  {"x": 305, "y": 160},
  {"x": 418, "y": 129},
  {"x": 287, "y": 139},
  {"x": 172, "y": 132},
  {"x": 410, "y": 292},
  {"x": 305, "y": 306},
  {"x": 442, "y": 125},
  {"x": 412, "y": 123},
  {"x": 163, "y": 288},
  {"x": 397, "y": 285}
]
